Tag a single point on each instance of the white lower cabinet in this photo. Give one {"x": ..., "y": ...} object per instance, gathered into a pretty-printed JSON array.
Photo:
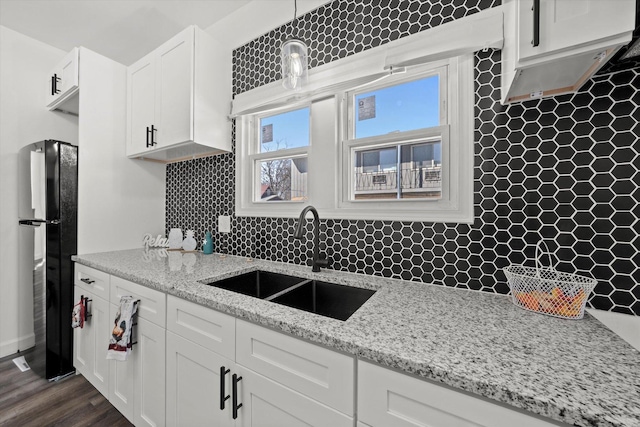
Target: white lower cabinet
[
  {"x": 266, "y": 403},
  {"x": 194, "y": 385},
  {"x": 149, "y": 374},
  {"x": 90, "y": 342},
  {"x": 285, "y": 381},
  {"x": 389, "y": 398},
  {"x": 121, "y": 379},
  {"x": 136, "y": 387}
]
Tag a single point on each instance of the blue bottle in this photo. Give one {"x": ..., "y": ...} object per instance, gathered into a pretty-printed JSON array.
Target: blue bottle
[{"x": 207, "y": 245}]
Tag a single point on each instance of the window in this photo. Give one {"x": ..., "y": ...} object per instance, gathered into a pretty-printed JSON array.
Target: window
[
  {"x": 392, "y": 145},
  {"x": 280, "y": 160},
  {"x": 395, "y": 138}
]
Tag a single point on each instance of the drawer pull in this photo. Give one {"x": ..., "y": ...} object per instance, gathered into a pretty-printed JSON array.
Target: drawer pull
[
  {"x": 234, "y": 381},
  {"x": 223, "y": 396},
  {"x": 87, "y": 280}
]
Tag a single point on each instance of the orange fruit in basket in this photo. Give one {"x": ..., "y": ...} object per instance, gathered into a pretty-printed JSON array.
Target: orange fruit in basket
[{"x": 557, "y": 294}]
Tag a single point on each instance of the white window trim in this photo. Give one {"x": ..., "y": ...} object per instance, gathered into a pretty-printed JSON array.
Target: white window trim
[{"x": 325, "y": 92}]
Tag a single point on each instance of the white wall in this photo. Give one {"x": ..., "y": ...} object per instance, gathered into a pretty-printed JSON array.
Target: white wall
[
  {"x": 626, "y": 326},
  {"x": 24, "y": 66},
  {"x": 119, "y": 199},
  {"x": 257, "y": 18}
]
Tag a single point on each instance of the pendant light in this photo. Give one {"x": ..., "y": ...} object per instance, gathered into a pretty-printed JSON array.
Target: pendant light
[{"x": 293, "y": 55}]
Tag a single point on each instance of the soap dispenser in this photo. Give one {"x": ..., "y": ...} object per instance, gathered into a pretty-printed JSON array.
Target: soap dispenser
[{"x": 207, "y": 244}]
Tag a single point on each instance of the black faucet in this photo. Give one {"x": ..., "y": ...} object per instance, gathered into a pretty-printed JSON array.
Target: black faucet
[{"x": 319, "y": 260}]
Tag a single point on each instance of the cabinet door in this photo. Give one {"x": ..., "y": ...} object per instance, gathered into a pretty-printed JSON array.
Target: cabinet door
[
  {"x": 66, "y": 73},
  {"x": 140, "y": 104},
  {"x": 91, "y": 343},
  {"x": 83, "y": 346},
  {"x": 174, "y": 89},
  {"x": 569, "y": 23},
  {"x": 121, "y": 380},
  {"x": 149, "y": 377},
  {"x": 389, "y": 398},
  {"x": 268, "y": 404},
  {"x": 322, "y": 374},
  {"x": 193, "y": 385}
]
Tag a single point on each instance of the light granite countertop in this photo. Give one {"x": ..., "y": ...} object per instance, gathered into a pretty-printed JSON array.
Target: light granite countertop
[{"x": 574, "y": 371}]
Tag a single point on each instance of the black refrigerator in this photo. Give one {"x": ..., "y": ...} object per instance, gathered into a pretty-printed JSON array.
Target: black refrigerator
[{"x": 48, "y": 218}]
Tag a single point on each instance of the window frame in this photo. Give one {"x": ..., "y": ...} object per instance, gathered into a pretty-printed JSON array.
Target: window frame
[
  {"x": 255, "y": 156},
  {"x": 326, "y": 153}
]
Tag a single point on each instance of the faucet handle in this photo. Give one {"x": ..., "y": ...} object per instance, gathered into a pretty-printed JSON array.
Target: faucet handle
[{"x": 323, "y": 261}]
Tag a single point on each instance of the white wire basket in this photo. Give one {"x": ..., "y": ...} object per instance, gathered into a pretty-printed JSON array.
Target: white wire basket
[{"x": 548, "y": 291}]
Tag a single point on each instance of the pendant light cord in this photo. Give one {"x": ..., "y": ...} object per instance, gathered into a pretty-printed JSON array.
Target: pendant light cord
[{"x": 295, "y": 12}]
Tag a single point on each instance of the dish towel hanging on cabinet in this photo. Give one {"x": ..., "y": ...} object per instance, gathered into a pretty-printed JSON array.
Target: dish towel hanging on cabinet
[
  {"x": 120, "y": 341},
  {"x": 78, "y": 314}
]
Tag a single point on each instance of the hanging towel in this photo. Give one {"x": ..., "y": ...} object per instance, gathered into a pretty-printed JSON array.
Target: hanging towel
[
  {"x": 77, "y": 315},
  {"x": 120, "y": 341}
]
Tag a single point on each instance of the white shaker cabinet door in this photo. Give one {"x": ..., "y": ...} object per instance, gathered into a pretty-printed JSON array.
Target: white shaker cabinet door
[
  {"x": 266, "y": 403},
  {"x": 389, "y": 398},
  {"x": 63, "y": 80},
  {"x": 566, "y": 24},
  {"x": 121, "y": 380},
  {"x": 141, "y": 105},
  {"x": 149, "y": 375},
  {"x": 91, "y": 342},
  {"x": 194, "y": 385},
  {"x": 174, "y": 89}
]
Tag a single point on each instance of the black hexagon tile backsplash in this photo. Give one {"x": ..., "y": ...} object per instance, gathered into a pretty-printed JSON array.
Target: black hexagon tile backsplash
[{"x": 565, "y": 169}]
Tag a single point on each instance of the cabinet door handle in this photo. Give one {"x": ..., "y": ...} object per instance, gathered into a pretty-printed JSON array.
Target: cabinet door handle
[
  {"x": 87, "y": 313},
  {"x": 234, "y": 383},
  {"x": 536, "y": 23},
  {"x": 54, "y": 84},
  {"x": 153, "y": 134},
  {"x": 147, "y": 136},
  {"x": 223, "y": 396},
  {"x": 87, "y": 280}
]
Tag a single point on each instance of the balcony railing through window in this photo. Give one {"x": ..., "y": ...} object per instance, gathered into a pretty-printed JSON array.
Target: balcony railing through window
[{"x": 423, "y": 182}]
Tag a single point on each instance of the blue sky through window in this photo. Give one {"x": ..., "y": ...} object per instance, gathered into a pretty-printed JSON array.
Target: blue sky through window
[
  {"x": 288, "y": 130},
  {"x": 400, "y": 108}
]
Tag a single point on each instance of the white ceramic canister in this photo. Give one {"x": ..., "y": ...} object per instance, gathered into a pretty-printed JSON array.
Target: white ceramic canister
[{"x": 175, "y": 238}]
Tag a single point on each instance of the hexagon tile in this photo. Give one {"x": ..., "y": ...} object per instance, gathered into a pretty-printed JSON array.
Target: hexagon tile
[{"x": 565, "y": 169}]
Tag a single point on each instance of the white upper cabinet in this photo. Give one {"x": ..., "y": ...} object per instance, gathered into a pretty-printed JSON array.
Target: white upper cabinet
[
  {"x": 178, "y": 100},
  {"x": 554, "y": 46},
  {"x": 63, "y": 82}
]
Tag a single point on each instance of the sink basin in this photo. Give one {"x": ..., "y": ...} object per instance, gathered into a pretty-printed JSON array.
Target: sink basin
[
  {"x": 326, "y": 299},
  {"x": 259, "y": 284},
  {"x": 315, "y": 296}
]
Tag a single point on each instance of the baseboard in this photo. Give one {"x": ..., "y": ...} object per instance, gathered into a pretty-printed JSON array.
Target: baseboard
[{"x": 18, "y": 344}]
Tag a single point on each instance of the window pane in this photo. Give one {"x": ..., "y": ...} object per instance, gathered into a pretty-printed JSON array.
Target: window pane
[
  {"x": 420, "y": 172},
  {"x": 283, "y": 180},
  {"x": 286, "y": 130},
  {"x": 399, "y": 108}
]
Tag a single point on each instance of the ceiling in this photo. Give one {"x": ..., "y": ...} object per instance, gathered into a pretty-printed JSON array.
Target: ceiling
[{"x": 123, "y": 30}]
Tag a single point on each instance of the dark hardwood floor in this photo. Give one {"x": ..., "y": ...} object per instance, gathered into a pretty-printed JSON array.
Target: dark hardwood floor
[{"x": 29, "y": 400}]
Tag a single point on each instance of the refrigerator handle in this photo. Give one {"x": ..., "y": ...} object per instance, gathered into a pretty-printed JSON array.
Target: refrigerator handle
[{"x": 38, "y": 222}]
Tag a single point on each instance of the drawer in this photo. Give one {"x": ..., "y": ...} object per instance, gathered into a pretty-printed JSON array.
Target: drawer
[
  {"x": 317, "y": 372},
  {"x": 92, "y": 280},
  {"x": 211, "y": 329},
  {"x": 153, "y": 304},
  {"x": 389, "y": 398}
]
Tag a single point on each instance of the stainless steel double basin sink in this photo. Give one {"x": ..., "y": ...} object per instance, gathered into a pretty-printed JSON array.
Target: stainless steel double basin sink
[{"x": 315, "y": 296}]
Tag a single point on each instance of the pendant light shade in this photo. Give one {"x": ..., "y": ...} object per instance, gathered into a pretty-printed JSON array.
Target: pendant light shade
[{"x": 294, "y": 64}]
